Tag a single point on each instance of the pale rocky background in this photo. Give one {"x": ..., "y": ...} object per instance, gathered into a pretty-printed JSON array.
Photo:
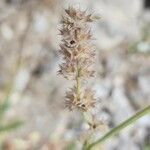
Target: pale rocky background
[{"x": 29, "y": 58}]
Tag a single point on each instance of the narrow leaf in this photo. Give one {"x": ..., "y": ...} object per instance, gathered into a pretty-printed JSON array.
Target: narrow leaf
[{"x": 10, "y": 126}]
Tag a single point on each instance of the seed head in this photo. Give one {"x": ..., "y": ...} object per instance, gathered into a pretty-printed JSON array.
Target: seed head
[
  {"x": 83, "y": 103},
  {"x": 78, "y": 57}
]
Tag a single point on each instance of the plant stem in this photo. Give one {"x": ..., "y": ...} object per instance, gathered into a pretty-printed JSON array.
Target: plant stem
[
  {"x": 121, "y": 126},
  {"x": 78, "y": 81}
]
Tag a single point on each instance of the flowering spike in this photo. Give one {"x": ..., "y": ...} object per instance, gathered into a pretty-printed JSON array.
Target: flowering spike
[{"x": 78, "y": 56}]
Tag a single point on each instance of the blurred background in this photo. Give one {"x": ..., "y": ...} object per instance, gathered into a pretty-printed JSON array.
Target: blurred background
[{"x": 31, "y": 91}]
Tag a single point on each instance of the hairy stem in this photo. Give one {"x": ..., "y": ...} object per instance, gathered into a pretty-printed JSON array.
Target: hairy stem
[
  {"x": 120, "y": 127},
  {"x": 78, "y": 81}
]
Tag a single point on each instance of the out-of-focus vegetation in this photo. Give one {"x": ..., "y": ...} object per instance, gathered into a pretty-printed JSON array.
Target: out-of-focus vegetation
[
  {"x": 6, "y": 126},
  {"x": 29, "y": 44}
]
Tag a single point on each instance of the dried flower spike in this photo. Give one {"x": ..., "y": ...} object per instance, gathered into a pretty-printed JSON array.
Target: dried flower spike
[{"x": 78, "y": 55}]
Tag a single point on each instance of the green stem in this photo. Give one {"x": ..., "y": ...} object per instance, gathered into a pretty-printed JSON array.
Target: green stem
[{"x": 121, "y": 126}]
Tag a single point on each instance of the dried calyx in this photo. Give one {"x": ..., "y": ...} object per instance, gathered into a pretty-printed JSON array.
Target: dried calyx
[{"x": 78, "y": 56}]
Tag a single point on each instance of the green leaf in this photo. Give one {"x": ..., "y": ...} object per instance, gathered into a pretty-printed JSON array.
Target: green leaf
[
  {"x": 147, "y": 147},
  {"x": 120, "y": 127},
  {"x": 3, "y": 108},
  {"x": 10, "y": 126}
]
